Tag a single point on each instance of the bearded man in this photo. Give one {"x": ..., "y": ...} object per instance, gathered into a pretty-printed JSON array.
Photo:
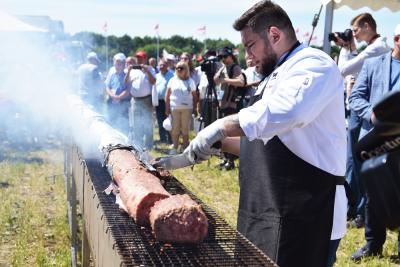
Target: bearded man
[{"x": 291, "y": 141}]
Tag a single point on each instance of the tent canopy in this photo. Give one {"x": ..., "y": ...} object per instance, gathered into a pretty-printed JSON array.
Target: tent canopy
[
  {"x": 393, "y": 5},
  {"x": 10, "y": 24}
]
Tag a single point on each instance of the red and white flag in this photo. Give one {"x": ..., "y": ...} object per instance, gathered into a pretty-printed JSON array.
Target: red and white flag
[
  {"x": 306, "y": 34},
  {"x": 202, "y": 30},
  {"x": 105, "y": 27}
]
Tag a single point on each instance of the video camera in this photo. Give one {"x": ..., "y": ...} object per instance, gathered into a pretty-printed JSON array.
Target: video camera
[
  {"x": 346, "y": 36},
  {"x": 210, "y": 66}
]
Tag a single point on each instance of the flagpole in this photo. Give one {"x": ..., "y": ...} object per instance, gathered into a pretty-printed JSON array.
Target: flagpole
[
  {"x": 106, "y": 51},
  {"x": 158, "y": 47}
]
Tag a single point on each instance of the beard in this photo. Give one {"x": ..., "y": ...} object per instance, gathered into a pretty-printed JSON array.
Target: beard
[{"x": 268, "y": 62}]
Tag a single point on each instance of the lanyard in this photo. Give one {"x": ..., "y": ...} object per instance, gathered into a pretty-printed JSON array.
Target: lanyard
[{"x": 297, "y": 44}]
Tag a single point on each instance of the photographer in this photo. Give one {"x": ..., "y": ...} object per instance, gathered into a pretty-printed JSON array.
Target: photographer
[
  {"x": 231, "y": 79},
  {"x": 350, "y": 63},
  {"x": 363, "y": 29}
]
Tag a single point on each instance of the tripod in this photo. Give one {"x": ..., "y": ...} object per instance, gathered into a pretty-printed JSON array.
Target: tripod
[{"x": 210, "y": 106}]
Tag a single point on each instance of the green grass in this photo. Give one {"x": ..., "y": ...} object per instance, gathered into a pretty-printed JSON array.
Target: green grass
[{"x": 33, "y": 222}]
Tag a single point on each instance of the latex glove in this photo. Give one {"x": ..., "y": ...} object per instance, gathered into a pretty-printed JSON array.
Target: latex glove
[{"x": 201, "y": 147}]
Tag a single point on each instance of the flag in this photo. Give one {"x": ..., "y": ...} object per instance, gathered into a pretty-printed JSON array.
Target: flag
[
  {"x": 306, "y": 34},
  {"x": 202, "y": 30},
  {"x": 105, "y": 27},
  {"x": 156, "y": 28}
]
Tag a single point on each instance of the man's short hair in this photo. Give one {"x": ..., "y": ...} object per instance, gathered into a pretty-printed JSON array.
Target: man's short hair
[
  {"x": 362, "y": 18},
  {"x": 263, "y": 15}
]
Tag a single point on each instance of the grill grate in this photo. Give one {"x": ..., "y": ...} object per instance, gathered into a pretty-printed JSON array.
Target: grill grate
[{"x": 137, "y": 246}]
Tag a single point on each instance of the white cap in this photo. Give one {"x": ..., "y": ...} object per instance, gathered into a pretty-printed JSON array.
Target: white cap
[
  {"x": 397, "y": 30},
  {"x": 120, "y": 57},
  {"x": 92, "y": 55},
  {"x": 170, "y": 57},
  {"x": 167, "y": 124}
]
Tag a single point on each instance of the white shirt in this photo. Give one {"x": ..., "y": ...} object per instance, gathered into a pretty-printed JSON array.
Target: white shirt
[
  {"x": 140, "y": 84},
  {"x": 350, "y": 63},
  {"x": 181, "y": 93},
  {"x": 303, "y": 105}
]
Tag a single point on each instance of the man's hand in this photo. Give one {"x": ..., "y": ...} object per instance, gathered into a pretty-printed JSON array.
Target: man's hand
[{"x": 201, "y": 148}]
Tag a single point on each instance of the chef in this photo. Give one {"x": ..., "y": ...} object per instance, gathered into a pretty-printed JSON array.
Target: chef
[{"x": 292, "y": 144}]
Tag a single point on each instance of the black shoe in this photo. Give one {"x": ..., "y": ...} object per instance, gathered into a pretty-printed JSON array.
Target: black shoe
[
  {"x": 358, "y": 222},
  {"x": 222, "y": 164},
  {"x": 365, "y": 252},
  {"x": 230, "y": 165}
]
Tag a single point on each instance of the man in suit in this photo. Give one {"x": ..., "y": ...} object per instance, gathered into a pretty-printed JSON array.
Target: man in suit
[{"x": 378, "y": 76}]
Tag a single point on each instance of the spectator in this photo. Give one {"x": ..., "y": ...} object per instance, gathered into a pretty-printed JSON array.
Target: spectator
[
  {"x": 118, "y": 95},
  {"x": 350, "y": 63},
  {"x": 90, "y": 83},
  {"x": 253, "y": 79},
  {"x": 153, "y": 64},
  {"x": 162, "y": 79},
  {"x": 141, "y": 119},
  {"x": 194, "y": 72},
  {"x": 378, "y": 76},
  {"x": 230, "y": 77},
  {"x": 171, "y": 62},
  {"x": 180, "y": 99}
]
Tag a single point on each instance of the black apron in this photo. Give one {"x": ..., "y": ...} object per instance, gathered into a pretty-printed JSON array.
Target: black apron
[{"x": 286, "y": 204}]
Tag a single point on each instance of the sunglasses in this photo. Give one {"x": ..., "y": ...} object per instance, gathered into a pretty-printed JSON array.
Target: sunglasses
[{"x": 179, "y": 68}]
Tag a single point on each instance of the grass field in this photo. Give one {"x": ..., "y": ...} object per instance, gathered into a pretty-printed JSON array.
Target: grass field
[{"x": 33, "y": 220}]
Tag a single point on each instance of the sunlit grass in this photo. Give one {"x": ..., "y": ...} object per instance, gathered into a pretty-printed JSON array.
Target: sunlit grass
[{"x": 33, "y": 222}]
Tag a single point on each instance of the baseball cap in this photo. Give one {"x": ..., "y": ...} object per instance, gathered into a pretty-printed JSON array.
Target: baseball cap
[
  {"x": 141, "y": 53},
  {"x": 92, "y": 55},
  {"x": 226, "y": 51},
  {"x": 397, "y": 30},
  {"x": 170, "y": 57},
  {"x": 120, "y": 57}
]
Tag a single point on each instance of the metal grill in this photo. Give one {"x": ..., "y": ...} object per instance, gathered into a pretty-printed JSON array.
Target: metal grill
[{"x": 136, "y": 246}]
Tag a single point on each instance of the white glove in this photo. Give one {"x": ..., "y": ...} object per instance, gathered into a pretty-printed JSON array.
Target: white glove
[{"x": 200, "y": 148}]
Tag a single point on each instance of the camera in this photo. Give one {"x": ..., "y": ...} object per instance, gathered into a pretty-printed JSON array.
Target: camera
[
  {"x": 210, "y": 66},
  {"x": 135, "y": 67},
  {"x": 346, "y": 36}
]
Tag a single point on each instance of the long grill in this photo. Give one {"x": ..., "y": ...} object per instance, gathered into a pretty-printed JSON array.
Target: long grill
[{"x": 136, "y": 246}]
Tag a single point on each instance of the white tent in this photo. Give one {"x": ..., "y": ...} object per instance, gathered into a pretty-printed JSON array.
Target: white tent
[
  {"x": 10, "y": 24},
  {"x": 393, "y": 5}
]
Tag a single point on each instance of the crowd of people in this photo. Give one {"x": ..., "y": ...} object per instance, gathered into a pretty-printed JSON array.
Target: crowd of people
[
  {"x": 173, "y": 89},
  {"x": 284, "y": 115}
]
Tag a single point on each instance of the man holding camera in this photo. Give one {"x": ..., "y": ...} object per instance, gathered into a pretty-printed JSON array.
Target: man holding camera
[
  {"x": 292, "y": 146},
  {"x": 231, "y": 80},
  {"x": 350, "y": 63}
]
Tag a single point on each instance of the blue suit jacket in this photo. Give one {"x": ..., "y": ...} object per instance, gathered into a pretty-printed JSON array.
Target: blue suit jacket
[{"x": 371, "y": 85}]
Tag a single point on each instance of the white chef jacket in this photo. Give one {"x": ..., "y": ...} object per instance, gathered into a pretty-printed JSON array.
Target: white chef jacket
[{"x": 303, "y": 105}]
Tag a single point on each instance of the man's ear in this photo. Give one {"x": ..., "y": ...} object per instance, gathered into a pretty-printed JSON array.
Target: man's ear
[{"x": 274, "y": 34}]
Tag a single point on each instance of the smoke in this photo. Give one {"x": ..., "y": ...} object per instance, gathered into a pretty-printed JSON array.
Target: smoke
[{"x": 36, "y": 82}]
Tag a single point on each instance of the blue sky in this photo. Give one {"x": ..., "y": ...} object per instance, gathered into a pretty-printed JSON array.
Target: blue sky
[{"x": 183, "y": 17}]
